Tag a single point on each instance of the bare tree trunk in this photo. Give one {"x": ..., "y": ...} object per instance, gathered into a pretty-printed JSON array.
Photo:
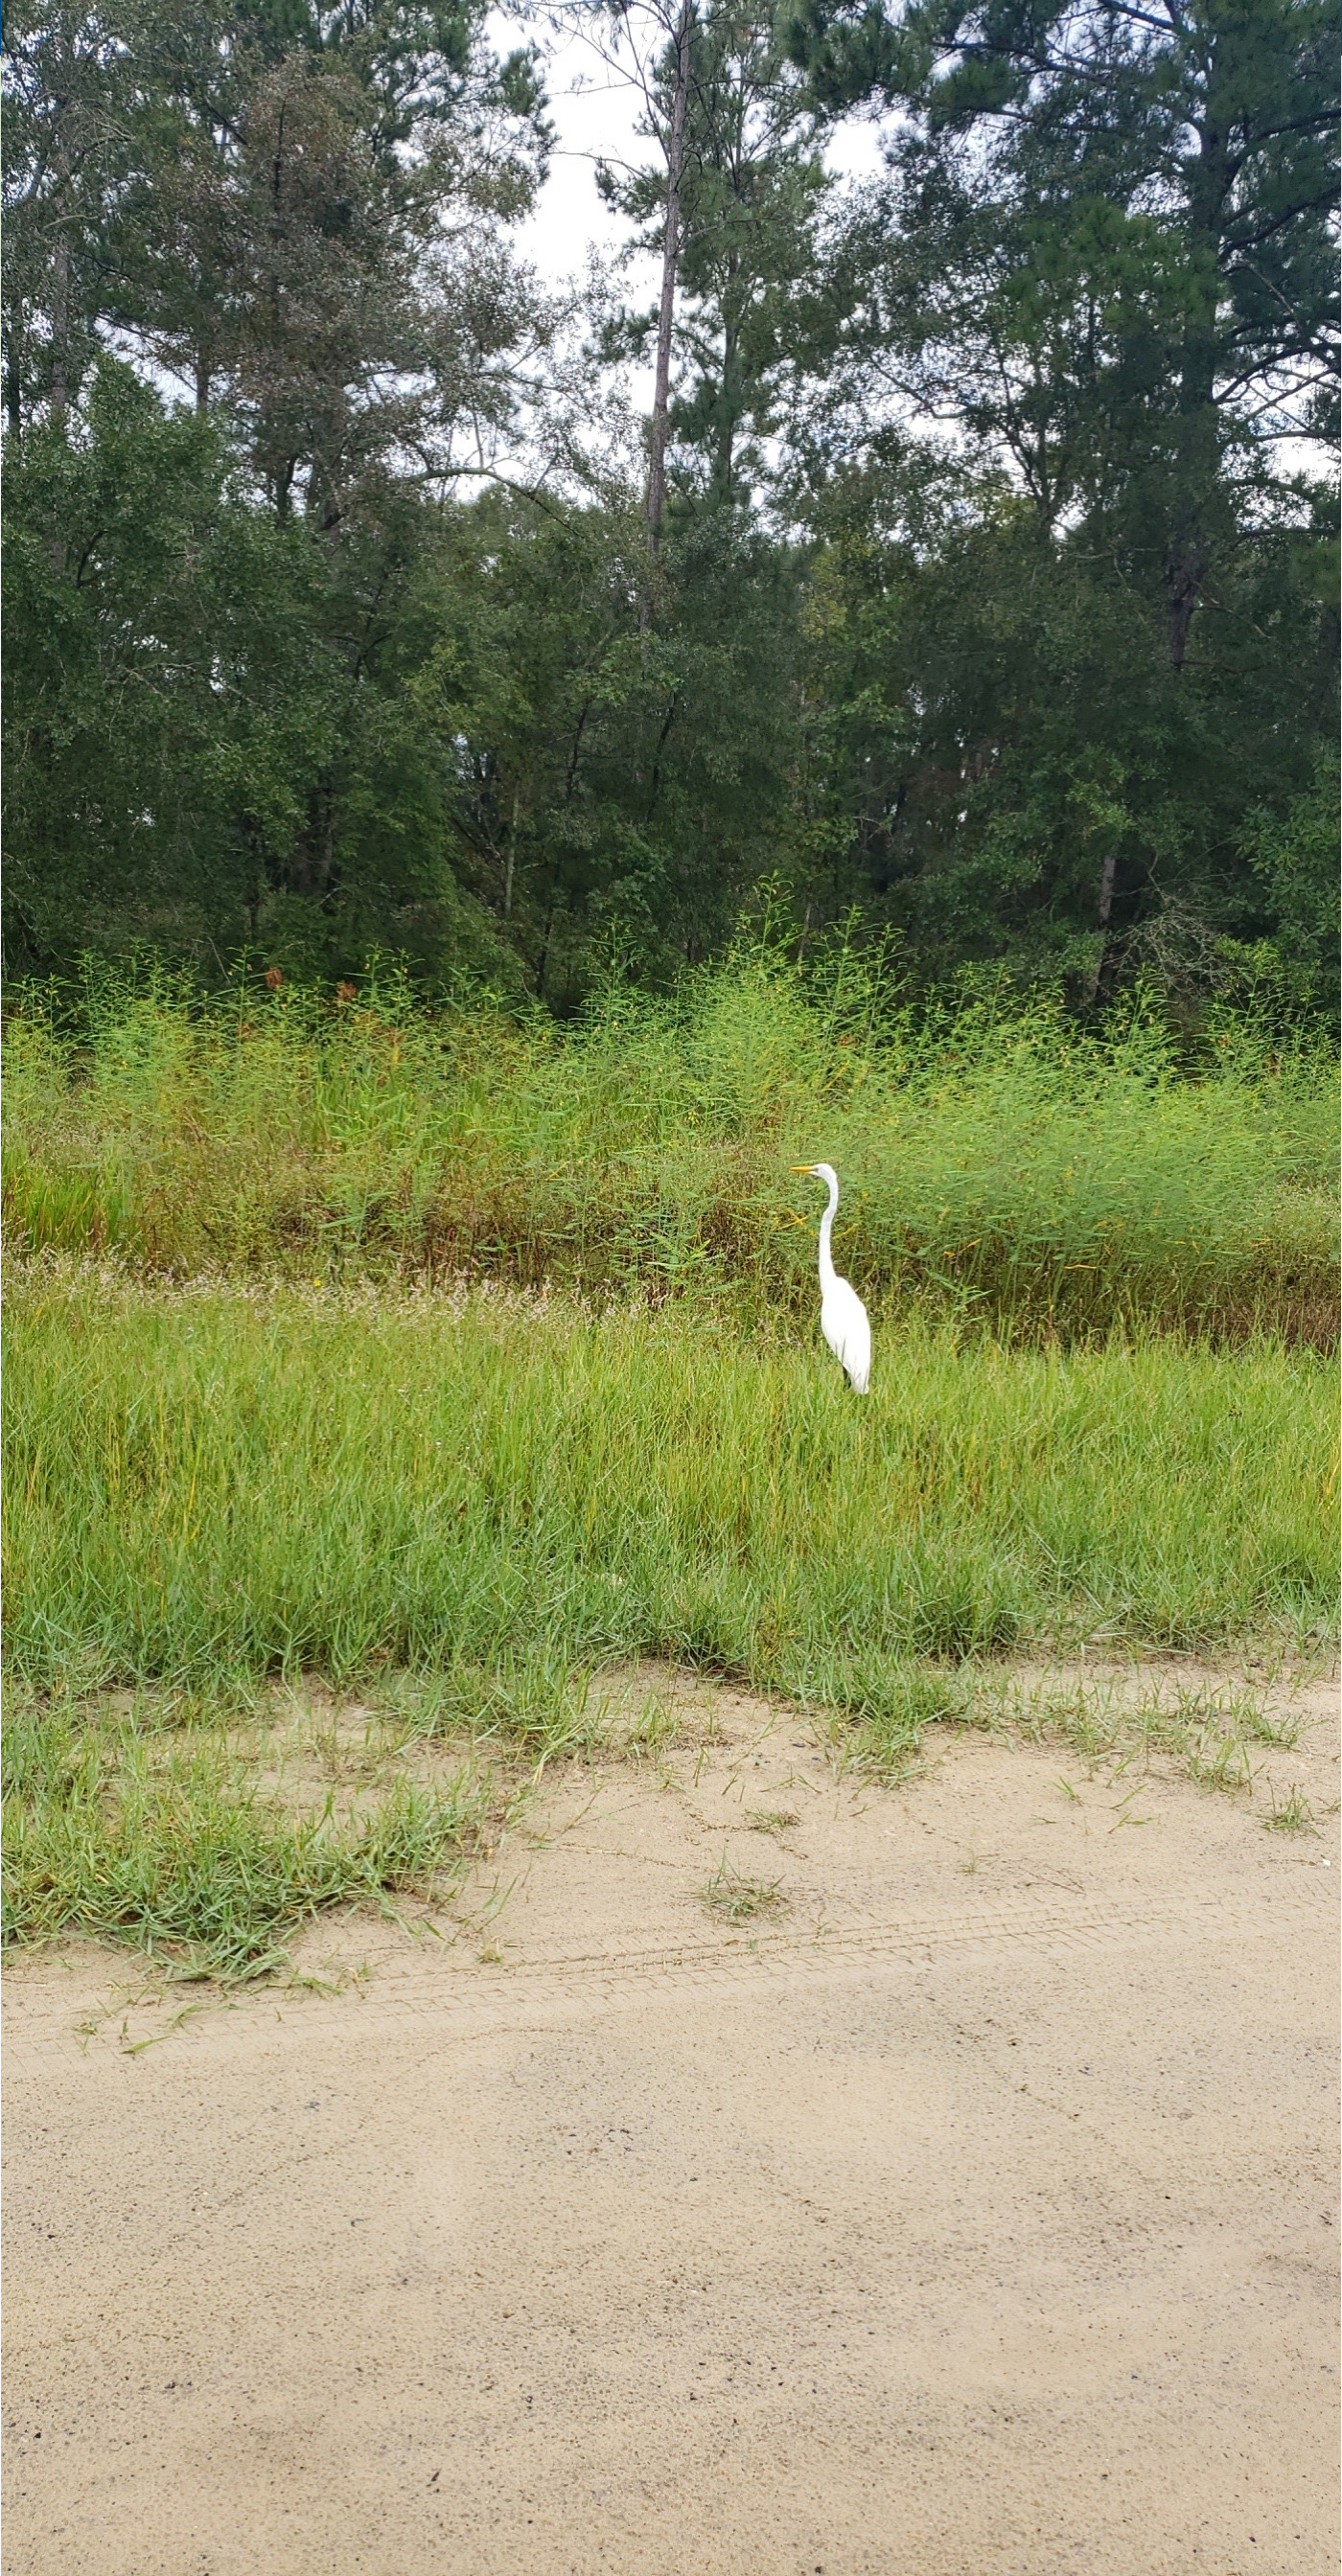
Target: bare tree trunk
[
  {"x": 1185, "y": 572},
  {"x": 511, "y": 859},
  {"x": 1107, "y": 874},
  {"x": 14, "y": 387},
  {"x": 545, "y": 952},
  {"x": 670, "y": 253},
  {"x": 60, "y": 286},
  {"x": 1197, "y": 458}
]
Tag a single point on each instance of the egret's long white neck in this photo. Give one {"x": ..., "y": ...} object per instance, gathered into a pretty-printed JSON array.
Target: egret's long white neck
[{"x": 826, "y": 1230}]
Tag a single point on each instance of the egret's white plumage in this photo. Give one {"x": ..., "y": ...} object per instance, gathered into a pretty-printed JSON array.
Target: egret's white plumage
[{"x": 843, "y": 1317}]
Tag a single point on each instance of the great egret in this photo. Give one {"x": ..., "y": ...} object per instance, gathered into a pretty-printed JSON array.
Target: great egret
[{"x": 843, "y": 1317}]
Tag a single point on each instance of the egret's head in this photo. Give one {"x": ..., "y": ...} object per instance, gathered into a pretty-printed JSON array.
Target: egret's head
[{"x": 819, "y": 1172}]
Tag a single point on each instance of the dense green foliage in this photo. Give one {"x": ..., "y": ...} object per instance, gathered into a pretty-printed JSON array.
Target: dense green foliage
[
  {"x": 999, "y": 1166},
  {"x": 992, "y": 603}
]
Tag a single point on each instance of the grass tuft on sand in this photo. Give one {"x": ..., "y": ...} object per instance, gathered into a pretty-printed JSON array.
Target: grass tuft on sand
[{"x": 135, "y": 1827}]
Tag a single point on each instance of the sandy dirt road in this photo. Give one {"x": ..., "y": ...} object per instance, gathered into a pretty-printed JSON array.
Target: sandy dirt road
[{"x": 974, "y": 2215}]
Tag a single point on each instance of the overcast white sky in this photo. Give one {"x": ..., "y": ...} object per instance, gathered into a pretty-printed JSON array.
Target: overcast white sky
[{"x": 595, "y": 117}]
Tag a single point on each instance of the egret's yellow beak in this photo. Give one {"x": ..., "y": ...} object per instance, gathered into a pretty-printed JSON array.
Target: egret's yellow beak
[{"x": 803, "y": 1167}]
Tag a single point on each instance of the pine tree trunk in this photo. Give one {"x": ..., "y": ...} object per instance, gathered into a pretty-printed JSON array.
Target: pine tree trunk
[
  {"x": 1198, "y": 435},
  {"x": 60, "y": 288},
  {"x": 670, "y": 253},
  {"x": 511, "y": 861},
  {"x": 1106, "y": 907}
]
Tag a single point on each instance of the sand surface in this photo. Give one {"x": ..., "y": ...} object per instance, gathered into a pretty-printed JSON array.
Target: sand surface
[{"x": 975, "y": 2214}]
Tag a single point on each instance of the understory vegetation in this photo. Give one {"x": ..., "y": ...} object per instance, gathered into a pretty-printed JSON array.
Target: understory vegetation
[{"x": 999, "y": 1165}]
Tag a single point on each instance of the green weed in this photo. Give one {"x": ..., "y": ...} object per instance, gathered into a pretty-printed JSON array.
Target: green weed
[
  {"x": 1293, "y": 1816},
  {"x": 739, "y": 1899}
]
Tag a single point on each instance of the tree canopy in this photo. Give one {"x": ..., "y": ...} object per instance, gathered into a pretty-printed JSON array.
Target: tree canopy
[{"x": 991, "y": 607}]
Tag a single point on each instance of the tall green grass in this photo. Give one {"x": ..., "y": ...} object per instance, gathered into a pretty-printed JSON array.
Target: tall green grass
[
  {"x": 997, "y": 1168},
  {"x": 206, "y": 1482},
  {"x": 465, "y": 1502}
]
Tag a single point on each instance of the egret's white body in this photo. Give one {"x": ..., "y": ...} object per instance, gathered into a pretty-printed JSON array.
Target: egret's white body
[{"x": 843, "y": 1317}]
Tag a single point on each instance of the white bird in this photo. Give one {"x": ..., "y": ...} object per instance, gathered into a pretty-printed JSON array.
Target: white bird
[{"x": 843, "y": 1317}]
